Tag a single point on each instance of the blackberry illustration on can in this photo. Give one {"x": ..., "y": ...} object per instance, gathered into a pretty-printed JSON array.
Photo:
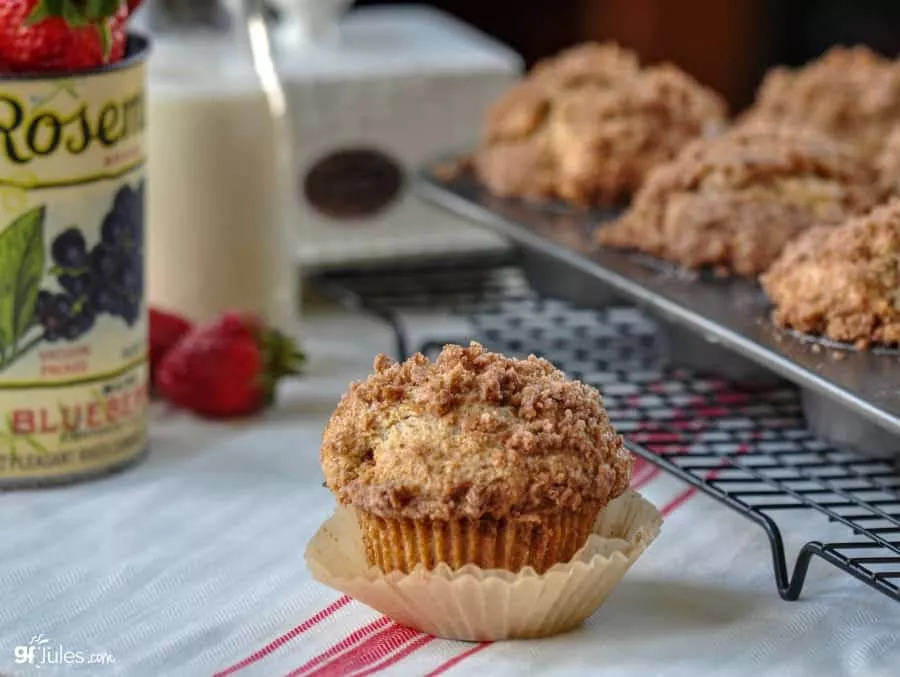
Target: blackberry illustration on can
[{"x": 73, "y": 315}]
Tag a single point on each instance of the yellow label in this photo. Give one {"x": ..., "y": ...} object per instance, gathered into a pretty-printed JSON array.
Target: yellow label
[{"x": 73, "y": 319}]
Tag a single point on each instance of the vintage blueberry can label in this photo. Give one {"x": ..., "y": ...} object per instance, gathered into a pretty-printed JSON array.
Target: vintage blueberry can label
[{"x": 73, "y": 316}]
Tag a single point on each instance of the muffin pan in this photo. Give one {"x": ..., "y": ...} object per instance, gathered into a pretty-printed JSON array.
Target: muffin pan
[
  {"x": 704, "y": 353},
  {"x": 719, "y": 325},
  {"x": 554, "y": 279}
]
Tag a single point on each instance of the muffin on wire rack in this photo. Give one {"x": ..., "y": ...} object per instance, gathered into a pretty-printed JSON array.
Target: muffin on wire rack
[
  {"x": 587, "y": 126},
  {"x": 849, "y": 93},
  {"x": 842, "y": 283},
  {"x": 482, "y": 497},
  {"x": 733, "y": 202}
]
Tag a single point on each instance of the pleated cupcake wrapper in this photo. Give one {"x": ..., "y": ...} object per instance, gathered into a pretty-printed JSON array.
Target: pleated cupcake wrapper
[
  {"x": 475, "y": 604},
  {"x": 402, "y": 544}
]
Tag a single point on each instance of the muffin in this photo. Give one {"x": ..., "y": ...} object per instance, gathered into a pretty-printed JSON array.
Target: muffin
[
  {"x": 851, "y": 94},
  {"x": 600, "y": 64},
  {"x": 474, "y": 458},
  {"x": 887, "y": 163},
  {"x": 587, "y": 126},
  {"x": 842, "y": 283},
  {"x": 733, "y": 202}
]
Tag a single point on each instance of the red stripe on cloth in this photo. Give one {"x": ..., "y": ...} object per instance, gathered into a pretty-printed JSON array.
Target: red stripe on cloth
[
  {"x": 351, "y": 639},
  {"x": 441, "y": 669},
  {"x": 399, "y": 656},
  {"x": 646, "y": 478},
  {"x": 641, "y": 466},
  {"x": 678, "y": 501},
  {"x": 688, "y": 493},
  {"x": 285, "y": 638},
  {"x": 640, "y": 472},
  {"x": 370, "y": 652}
]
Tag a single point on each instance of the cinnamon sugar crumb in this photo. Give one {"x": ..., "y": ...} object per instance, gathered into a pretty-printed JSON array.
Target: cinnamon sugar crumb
[
  {"x": 850, "y": 93},
  {"x": 587, "y": 125},
  {"x": 842, "y": 283},
  {"x": 887, "y": 163},
  {"x": 473, "y": 434},
  {"x": 733, "y": 202}
]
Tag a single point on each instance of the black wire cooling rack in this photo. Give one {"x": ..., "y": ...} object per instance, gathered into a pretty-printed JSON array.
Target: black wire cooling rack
[{"x": 746, "y": 447}]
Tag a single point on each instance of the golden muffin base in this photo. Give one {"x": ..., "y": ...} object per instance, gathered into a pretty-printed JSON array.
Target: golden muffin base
[
  {"x": 509, "y": 544},
  {"x": 475, "y": 604}
]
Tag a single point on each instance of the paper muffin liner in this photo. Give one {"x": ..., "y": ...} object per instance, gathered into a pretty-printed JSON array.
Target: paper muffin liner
[
  {"x": 474, "y": 604},
  {"x": 538, "y": 542}
]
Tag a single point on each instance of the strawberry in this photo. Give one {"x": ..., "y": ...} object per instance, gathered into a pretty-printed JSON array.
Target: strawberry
[
  {"x": 61, "y": 35},
  {"x": 229, "y": 367},
  {"x": 166, "y": 330}
]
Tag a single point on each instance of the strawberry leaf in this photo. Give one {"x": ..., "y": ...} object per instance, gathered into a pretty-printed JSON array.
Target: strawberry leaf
[
  {"x": 94, "y": 9},
  {"x": 281, "y": 358},
  {"x": 103, "y": 9},
  {"x": 105, "y": 39},
  {"x": 74, "y": 16},
  {"x": 44, "y": 10}
]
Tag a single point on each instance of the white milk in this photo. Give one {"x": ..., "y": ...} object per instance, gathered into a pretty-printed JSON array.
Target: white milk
[{"x": 214, "y": 232}]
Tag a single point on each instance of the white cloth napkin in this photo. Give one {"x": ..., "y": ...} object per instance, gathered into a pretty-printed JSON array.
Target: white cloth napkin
[{"x": 192, "y": 564}]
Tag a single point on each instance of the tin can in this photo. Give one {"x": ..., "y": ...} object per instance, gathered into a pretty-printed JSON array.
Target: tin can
[{"x": 73, "y": 317}]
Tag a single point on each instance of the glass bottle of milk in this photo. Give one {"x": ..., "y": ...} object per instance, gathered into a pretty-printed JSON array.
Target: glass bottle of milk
[{"x": 218, "y": 168}]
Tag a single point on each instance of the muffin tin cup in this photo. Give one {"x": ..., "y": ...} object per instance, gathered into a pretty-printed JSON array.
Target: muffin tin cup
[
  {"x": 475, "y": 604},
  {"x": 554, "y": 279},
  {"x": 831, "y": 422},
  {"x": 689, "y": 350}
]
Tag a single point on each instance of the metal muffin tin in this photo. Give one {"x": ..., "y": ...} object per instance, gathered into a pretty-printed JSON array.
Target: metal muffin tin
[
  {"x": 717, "y": 325},
  {"x": 552, "y": 277},
  {"x": 704, "y": 353}
]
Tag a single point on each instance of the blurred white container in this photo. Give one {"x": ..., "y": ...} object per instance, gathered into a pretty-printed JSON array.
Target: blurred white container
[
  {"x": 216, "y": 234},
  {"x": 369, "y": 101}
]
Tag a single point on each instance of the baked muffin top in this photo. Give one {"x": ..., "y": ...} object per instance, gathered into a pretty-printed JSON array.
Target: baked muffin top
[
  {"x": 842, "y": 283},
  {"x": 887, "y": 163},
  {"x": 472, "y": 435},
  {"x": 591, "y": 63},
  {"x": 523, "y": 108},
  {"x": 851, "y": 93},
  {"x": 587, "y": 126},
  {"x": 733, "y": 202}
]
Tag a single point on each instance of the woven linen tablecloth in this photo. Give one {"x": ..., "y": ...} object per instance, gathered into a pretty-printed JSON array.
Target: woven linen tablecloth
[{"x": 192, "y": 564}]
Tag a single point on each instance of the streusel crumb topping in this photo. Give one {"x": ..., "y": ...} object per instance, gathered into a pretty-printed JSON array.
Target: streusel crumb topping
[
  {"x": 733, "y": 202},
  {"x": 844, "y": 282},
  {"x": 887, "y": 163},
  {"x": 850, "y": 93},
  {"x": 473, "y": 434},
  {"x": 587, "y": 126}
]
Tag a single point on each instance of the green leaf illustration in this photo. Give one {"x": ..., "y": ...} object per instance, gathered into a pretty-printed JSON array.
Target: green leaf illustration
[{"x": 22, "y": 259}]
